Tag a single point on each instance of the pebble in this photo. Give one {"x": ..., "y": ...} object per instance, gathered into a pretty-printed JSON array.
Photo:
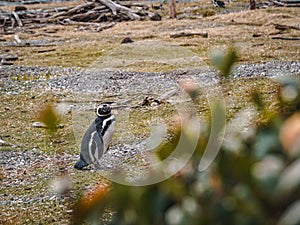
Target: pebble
[{"x": 39, "y": 125}]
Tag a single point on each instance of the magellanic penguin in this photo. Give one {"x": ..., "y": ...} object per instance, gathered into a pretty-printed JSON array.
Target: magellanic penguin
[{"x": 97, "y": 138}]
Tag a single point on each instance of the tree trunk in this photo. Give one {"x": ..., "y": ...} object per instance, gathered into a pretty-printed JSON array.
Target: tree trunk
[
  {"x": 172, "y": 7},
  {"x": 252, "y": 5}
]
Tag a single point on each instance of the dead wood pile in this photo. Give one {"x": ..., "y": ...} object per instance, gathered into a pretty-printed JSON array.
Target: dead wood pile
[
  {"x": 285, "y": 3},
  {"x": 278, "y": 3},
  {"x": 99, "y": 13}
]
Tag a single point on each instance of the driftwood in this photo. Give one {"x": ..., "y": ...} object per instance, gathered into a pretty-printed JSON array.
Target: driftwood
[
  {"x": 119, "y": 8},
  {"x": 17, "y": 19},
  {"x": 285, "y": 3},
  {"x": 72, "y": 10},
  {"x": 287, "y": 38},
  {"x": 17, "y": 38},
  {"x": 278, "y": 3},
  {"x": 285, "y": 27},
  {"x": 98, "y": 26},
  {"x": 7, "y": 59},
  {"x": 188, "y": 34},
  {"x": 90, "y": 14}
]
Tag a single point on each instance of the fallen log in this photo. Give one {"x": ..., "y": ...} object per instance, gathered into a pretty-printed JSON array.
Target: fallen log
[
  {"x": 285, "y": 3},
  {"x": 287, "y": 38},
  {"x": 285, "y": 27},
  {"x": 3, "y": 21},
  {"x": 99, "y": 26},
  {"x": 84, "y": 17},
  {"x": 71, "y": 22},
  {"x": 9, "y": 57},
  {"x": 72, "y": 10},
  {"x": 46, "y": 50},
  {"x": 59, "y": 9},
  {"x": 188, "y": 34},
  {"x": 119, "y": 8}
]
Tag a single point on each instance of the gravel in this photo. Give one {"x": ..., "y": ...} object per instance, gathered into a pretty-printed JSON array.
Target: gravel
[
  {"x": 84, "y": 81},
  {"x": 19, "y": 171},
  {"x": 268, "y": 69}
]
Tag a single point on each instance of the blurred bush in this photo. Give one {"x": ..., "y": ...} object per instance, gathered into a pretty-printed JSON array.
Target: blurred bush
[{"x": 253, "y": 182}]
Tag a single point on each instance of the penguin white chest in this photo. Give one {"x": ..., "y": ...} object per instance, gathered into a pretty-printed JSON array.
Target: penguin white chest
[{"x": 108, "y": 129}]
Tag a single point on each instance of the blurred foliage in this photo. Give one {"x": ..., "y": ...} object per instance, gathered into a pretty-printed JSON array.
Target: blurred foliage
[
  {"x": 49, "y": 117},
  {"x": 224, "y": 61},
  {"x": 257, "y": 182}
]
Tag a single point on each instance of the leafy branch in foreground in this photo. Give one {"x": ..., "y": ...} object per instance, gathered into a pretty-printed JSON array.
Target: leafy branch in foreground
[{"x": 254, "y": 181}]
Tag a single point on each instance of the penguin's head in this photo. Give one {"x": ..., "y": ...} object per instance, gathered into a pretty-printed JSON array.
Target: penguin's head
[{"x": 103, "y": 110}]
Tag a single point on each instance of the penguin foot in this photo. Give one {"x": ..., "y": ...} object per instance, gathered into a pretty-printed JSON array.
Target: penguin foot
[{"x": 79, "y": 165}]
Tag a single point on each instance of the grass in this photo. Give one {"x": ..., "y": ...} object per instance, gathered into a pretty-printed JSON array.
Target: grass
[{"x": 18, "y": 113}]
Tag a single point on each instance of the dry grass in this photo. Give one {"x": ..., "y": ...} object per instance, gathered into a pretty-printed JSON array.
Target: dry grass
[{"x": 82, "y": 47}]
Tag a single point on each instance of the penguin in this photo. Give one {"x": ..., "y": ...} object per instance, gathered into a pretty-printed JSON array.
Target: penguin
[{"x": 97, "y": 138}]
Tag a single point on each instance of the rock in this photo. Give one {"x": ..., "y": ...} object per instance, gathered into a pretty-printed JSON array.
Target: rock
[
  {"x": 155, "y": 17},
  {"x": 127, "y": 40},
  {"x": 7, "y": 58},
  {"x": 39, "y": 125},
  {"x": 150, "y": 101},
  {"x": 5, "y": 63},
  {"x": 20, "y": 8},
  {"x": 4, "y": 143}
]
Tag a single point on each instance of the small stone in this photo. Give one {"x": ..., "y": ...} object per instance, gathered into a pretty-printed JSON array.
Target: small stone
[
  {"x": 5, "y": 63},
  {"x": 20, "y": 8},
  {"x": 155, "y": 17},
  {"x": 39, "y": 125},
  {"x": 127, "y": 40}
]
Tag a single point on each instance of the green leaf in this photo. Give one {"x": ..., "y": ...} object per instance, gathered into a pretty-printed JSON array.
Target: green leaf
[
  {"x": 49, "y": 117},
  {"x": 289, "y": 179},
  {"x": 258, "y": 100},
  {"x": 292, "y": 215},
  {"x": 224, "y": 61}
]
